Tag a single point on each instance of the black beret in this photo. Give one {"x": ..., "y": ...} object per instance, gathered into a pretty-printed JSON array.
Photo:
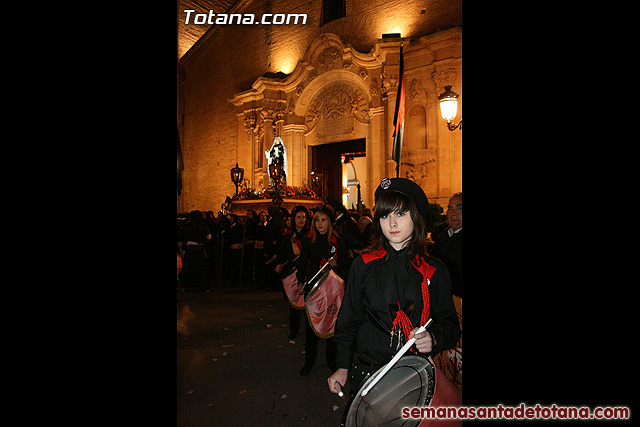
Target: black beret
[{"x": 407, "y": 187}]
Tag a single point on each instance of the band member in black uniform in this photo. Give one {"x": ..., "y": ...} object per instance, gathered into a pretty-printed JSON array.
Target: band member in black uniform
[
  {"x": 318, "y": 247},
  {"x": 388, "y": 296},
  {"x": 289, "y": 247}
]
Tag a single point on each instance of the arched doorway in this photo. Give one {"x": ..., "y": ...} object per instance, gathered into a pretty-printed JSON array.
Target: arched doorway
[{"x": 327, "y": 162}]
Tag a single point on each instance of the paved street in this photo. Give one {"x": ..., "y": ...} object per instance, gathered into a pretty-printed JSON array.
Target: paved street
[{"x": 236, "y": 367}]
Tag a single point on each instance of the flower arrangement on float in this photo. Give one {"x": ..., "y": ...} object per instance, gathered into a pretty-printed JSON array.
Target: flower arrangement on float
[{"x": 248, "y": 191}]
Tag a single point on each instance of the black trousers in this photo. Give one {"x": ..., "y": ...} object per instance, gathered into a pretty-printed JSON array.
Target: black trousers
[
  {"x": 311, "y": 347},
  {"x": 294, "y": 319}
]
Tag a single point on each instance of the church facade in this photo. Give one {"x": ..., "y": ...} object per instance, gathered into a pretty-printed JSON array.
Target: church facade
[{"x": 326, "y": 96}]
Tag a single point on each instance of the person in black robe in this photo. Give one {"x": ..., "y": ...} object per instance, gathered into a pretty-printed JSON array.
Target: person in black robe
[
  {"x": 194, "y": 235},
  {"x": 250, "y": 227},
  {"x": 234, "y": 241},
  {"x": 259, "y": 253},
  {"x": 273, "y": 230},
  {"x": 393, "y": 288}
]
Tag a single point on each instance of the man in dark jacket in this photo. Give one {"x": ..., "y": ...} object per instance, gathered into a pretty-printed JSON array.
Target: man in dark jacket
[{"x": 448, "y": 245}]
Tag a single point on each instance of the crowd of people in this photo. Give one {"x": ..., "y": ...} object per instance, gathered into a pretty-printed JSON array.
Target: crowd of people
[
  {"x": 230, "y": 251},
  {"x": 368, "y": 250}
]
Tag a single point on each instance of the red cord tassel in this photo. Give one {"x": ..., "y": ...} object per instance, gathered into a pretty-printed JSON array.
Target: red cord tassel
[
  {"x": 404, "y": 322},
  {"x": 401, "y": 316},
  {"x": 427, "y": 303}
]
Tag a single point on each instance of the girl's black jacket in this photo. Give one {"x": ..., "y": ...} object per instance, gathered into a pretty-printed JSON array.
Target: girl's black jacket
[{"x": 377, "y": 284}]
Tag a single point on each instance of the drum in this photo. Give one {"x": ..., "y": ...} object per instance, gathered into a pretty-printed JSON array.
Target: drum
[
  {"x": 291, "y": 288},
  {"x": 450, "y": 361},
  {"x": 323, "y": 302},
  {"x": 413, "y": 382}
]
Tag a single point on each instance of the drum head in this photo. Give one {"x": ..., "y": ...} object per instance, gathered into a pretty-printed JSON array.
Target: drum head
[
  {"x": 315, "y": 285},
  {"x": 411, "y": 382}
]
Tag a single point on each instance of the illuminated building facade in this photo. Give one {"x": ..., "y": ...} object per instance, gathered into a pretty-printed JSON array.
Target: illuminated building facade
[{"x": 327, "y": 88}]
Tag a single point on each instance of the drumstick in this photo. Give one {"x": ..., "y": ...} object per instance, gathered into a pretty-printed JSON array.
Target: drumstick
[
  {"x": 397, "y": 357},
  {"x": 338, "y": 387}
]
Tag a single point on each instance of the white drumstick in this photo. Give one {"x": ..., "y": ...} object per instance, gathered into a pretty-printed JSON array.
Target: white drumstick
[
  {"x": 338, "y": 386},
  {"x": 397, "y": 357}
]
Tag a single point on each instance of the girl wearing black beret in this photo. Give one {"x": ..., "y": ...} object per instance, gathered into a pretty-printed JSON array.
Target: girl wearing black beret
[{"x": 393, "y": 288}]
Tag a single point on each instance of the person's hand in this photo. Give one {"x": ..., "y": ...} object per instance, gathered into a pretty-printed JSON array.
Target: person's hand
[
  {"x": 278, "y": 268},
  {"x": 339, "y": 376},
  {"x": 424, "y": 342}
]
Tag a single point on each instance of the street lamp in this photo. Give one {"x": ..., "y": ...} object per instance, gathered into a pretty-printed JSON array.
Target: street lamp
[
  {"x": 237, "y": 175},
  {"x": 449, "y": 107}
]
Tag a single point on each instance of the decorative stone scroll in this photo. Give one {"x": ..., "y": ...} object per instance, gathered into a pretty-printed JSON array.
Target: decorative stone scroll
[{"x": 337, "y": 101}]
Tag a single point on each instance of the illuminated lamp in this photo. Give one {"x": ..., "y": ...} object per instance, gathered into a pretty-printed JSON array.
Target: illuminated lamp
[{"x": 449, "y": 107}]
